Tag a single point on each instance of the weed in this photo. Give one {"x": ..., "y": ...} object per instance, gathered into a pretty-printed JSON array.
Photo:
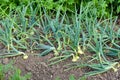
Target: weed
[
  {"x": 17, "y": 75},
  {"x": 16, "y": 72}
]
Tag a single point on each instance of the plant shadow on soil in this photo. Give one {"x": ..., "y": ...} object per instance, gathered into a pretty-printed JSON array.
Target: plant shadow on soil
[{"x": 40, "y": 70}]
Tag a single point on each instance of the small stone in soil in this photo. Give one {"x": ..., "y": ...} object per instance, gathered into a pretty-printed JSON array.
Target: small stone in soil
[
  {"x": 28, "y": 68},
  {"x": 5, "y": 61}
]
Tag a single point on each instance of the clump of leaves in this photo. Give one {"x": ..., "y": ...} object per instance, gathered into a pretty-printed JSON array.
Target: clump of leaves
[
  {"x": 16, "y": 73},
  {"x": 103, "y": 7},
  {"x": 4, "y": 69}
]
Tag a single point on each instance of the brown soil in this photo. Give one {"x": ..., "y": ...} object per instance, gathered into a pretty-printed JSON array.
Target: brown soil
[{"x": 40, "y": 70}]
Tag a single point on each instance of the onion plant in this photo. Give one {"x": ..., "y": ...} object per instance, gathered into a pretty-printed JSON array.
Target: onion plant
[
  {"x": 66, "y": 36},
  {"x": 16, "y": 30},
  {"x": 99, "y": 37}
]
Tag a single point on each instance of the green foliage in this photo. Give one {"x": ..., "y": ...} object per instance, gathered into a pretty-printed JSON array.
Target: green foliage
[
  {"x": 33, "y": 25},
  {"x": 15, "y": 72},
  {"x": 72, "y": 77},
  {"x": 57, "y": 78},
  {"x": 104, "y": 7},
  {"x": 4, "y": 69},
  {"x": 17, "y": 75},
  {"x": 2, "y": 76}
]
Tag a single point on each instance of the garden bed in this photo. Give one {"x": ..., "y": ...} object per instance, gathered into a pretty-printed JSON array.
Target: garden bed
[
  {"x": 40, "y": 69},
  {"x": 53, "y": 44}
]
